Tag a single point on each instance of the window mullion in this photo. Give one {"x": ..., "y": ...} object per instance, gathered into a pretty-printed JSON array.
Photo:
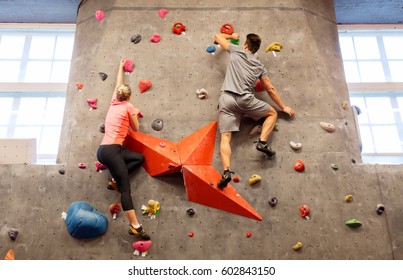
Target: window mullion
[{"x": 25, "y": 57}]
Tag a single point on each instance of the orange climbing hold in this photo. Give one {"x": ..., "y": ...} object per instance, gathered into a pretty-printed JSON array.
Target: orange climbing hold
[
  {"x": 79, "y": 86},
  {"x": 299, "y": 166}
]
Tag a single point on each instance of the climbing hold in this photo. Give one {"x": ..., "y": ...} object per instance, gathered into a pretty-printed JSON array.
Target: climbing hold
[
  {"x": 99, "y": 15},
  {"x": 304, "y": 211},
  {"x": 227, "y": 28},
  {"x": 12, "y": 232},
  {"x": 348, "y": 198},
  {"x": 191, "y": 234},
  {"x": 136, "y": 38},
  {"x": 162, "y": 144},
  {"x": 299, "y": 166},
  {"x": 256, "y": 130},
  {"x": 202, "y": 93},
  {"x": 297, "y": 246},
  {"x": 152, "y": 208},
  {"x": 140, "y": 115},
  {"x": 102, "y": 128},
  {"x": 276, "y": 127},
  {"x": 92, "y": 102},
  {"x": 103, "y": 76},
  {"x": 248, "y": 234},
  {"x": 295, "y": 146},
  {"x": 79, "y": 86},
  {"x": 128, "y": 66},
  {"x": 178, "y": 28},
  {"x": 83, "y": 221},
  {"x": 162, "y": 12},
  {"x": 344, "y": 105},
  {"x": 142, "y": 247},
  {"x": 157, "y": 124},
  {"x": 191, "y": 212},
  {"x": 274, "y": 47},
  {"x": 353, "y": 223},
  {"x": 254, "y": 179},
  {"x": 334, "y": 166},
  {"x": 10, "y": 255},
  {"x": 155, "y": 38},
  {"x": 144, "y": 85},
  {"x": 211, "y": 49},
  {"x": 236, "y": 179},
  {"x": 327, "y": 126},
  {"x": 114, "y": 209},
  {"x": 273, "y": 201},
  {"x": 258, "y": 86},
  {"x": 380, "y": 208},
  {"x": 62, "y": 171},
  {"x": 235, "y": 42},
  {"x": 99, "y": 166},
  {"x": 82, "y": 165}
]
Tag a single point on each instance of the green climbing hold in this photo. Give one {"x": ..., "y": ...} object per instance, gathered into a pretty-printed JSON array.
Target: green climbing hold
[
  {"x": 335, "y": 166},
  {"x": 353, "y": 223},
  {"x": 235, "y": 42}
]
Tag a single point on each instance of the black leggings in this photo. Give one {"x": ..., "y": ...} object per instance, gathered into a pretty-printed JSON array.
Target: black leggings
[{"x": 120, "y": 162}]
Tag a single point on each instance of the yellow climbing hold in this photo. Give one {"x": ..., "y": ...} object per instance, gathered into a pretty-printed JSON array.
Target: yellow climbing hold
[
  {"x": 297, "y": 246},
  {"x": 348, "y": 198},
  {"x": 275, "y": 46},
  {"x": 254, "y": 179}
]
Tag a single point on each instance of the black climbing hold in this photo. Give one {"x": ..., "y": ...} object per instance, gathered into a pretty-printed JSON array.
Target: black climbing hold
[
  {"x": 273, "y": 201},
  {"x": 102, "y": 128},
  {"x": 380, "y": 208},
  {"x": 190, "y": 212},
  {"x": 136, "y": 38},
  {"x": 103, "y": 76},
  {"x": 12, "y": 232},
  {"x": 61, "y": 171},
  {"x": 157, "y": 124},
  {"x": 353, "y": 161}
]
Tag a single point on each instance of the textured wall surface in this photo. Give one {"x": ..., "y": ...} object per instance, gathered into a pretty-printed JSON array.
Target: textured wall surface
[{"x": 308, "y": 74}]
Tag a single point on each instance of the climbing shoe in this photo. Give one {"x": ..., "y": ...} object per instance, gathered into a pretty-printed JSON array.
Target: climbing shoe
[
  {"x": 139, "y": 232},
  {"x": 264, "y": 148},
  {"x": 226, "y": 178},
  {"x": 112, "y": 185}
]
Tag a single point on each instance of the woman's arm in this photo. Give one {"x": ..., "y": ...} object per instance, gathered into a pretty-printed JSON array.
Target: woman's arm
[
  {"x": 134, "y": 121},
  {"x": 120, "y": 77}
]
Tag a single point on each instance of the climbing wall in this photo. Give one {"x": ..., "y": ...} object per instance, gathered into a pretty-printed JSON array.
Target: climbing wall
[{"x": 309, "y": 76}]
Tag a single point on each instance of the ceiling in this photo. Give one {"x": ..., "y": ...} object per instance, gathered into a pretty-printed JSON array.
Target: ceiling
[{"x": 65, "y": 11}]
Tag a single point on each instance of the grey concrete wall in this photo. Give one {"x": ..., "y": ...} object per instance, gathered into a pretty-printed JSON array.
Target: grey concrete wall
[{"x": 309, "y": 76}]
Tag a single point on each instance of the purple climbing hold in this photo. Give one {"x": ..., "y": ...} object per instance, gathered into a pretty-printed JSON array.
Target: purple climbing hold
[
  {"x": 12, "y": 232},
  {"x": 273, "y": 201},
  {"x": 136, "y": 38},
  {"x": 103, "y": 76}
]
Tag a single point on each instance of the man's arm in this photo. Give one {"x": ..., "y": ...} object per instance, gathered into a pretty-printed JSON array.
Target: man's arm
[
  {"x": 222, "y": 39},
  {"x": 271, "y": 90}
]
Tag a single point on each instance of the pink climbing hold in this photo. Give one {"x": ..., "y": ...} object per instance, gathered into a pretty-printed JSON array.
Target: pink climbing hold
[
  {"x": 99, "y": 166},
  {"x": 141, "y": 246},
  {"x": 259, "y": 87},
  {"x": 128, "y": 66},
  {"x": 155, "y": 38},
  {"x": 144, "y": 85},
  {"x": 140, "y": 115},
  {"x": 82, "y": 165},
  {"x": 162, "y": 12},
  {"x": 92, "y": 103},
  {"x": 99, "y": 15}
]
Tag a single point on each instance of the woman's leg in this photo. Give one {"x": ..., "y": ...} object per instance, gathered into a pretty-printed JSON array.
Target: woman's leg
[{"x": 133, "y": 160}]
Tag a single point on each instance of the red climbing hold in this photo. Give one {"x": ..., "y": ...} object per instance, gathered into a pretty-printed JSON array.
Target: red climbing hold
[
  {"x": 299, "y": 166},
  {"x": 82, "y": 165},
  {"x": 99, "y": 15},
  {"x": 259, "y": 87},
  {"x": 227, "y": 28},
  {"x": 236, "y": 179},
  {"x": 114, "y": 209},
  {"x": 178, "y": 28},
  {"x": 140, "y": 115},
  {"x": 304, "y": 211},
  {"x": 155, "y": 38},
  {"x": 191, "y": 234},
  {"x": 92, "y": 103},
  {"x": 79, "y": 86},
  {"x": 144, "y": 85},
  {"x": 99, "y": 166},
  {"x": 162, "y": 12},
  {"x": 248, "y": 234},
  {"x": 128, "y": 66}
]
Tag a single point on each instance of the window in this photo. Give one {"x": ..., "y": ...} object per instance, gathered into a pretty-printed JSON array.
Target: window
[
  {"x": 373, "y": 65},
  {"x": 34, "y": 71}
]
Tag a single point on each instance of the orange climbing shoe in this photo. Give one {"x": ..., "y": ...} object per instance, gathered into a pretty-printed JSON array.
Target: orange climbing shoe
[
  {"x": 264, "y": 148},
  {"x": 226, "y": 178},
  {"x": 112, "y": 185},
  {"x": 140, "y": 232}
]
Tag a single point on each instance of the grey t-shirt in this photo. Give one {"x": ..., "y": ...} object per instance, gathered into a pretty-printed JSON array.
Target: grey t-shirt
[{"x": 242, "y": 71}]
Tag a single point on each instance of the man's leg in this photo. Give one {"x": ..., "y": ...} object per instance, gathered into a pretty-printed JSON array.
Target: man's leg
[
  {"x": 267, "y": 128},
  {"x": 225, "y": 151}
]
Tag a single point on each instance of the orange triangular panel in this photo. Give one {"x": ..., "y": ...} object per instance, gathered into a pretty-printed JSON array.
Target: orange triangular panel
[
  {"x": 10, "y": 255},
  {"x": 198, "y": 148},
  {"x": 201, "y": 187},
  {"x": 161, "y": 156}
]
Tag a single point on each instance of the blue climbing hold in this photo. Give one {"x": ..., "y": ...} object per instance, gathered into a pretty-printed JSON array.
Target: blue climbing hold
[
  {"x": 211, "y": 49},
  {"x": 83, "y": 221}
]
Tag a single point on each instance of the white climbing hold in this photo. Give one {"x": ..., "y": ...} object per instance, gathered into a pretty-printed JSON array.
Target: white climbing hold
[
  {"x": 295, "y": 146},
  {"x": 327, "y": 126},
  {"x": 202, "y": 93},
  {"x": 64, "y": 215},
  {"x": 257, "y": 129}
]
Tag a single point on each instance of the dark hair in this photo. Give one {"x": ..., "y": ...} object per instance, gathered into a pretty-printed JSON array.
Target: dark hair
[{"x": 253, "y": 42}]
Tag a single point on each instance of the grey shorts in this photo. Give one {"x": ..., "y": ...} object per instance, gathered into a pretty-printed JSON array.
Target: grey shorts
[{"x": 232, "y": 107}]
